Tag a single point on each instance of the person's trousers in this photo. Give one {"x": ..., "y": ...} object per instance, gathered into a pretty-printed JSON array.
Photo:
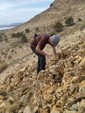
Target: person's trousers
[{"x": 41, "y": 60}]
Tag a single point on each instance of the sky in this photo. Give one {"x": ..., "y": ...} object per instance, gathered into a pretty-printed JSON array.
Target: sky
[{"x": 14, "y": 11}]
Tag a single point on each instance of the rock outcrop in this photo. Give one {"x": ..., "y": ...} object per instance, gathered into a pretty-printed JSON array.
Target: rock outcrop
[{"x": 58, "y": 89}]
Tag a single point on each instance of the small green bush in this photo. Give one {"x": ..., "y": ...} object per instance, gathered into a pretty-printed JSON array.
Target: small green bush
[
  {"x": 13, "y": 35},
  {"x": 1, "y": 39},
  {"x": 69, "y": 21},
  {"x": 79, "y": 19},
  {"x": 17, "y": 35},
  {"x": 37, "y": 29},
  {"x": 15, "y": 45},
  {"x": 24, "y": 38},
  {"x": 52, "y": 33},
  {"x": 58, "y": 26},
  {"x": 6, "y": 39},
  {"x": 27, "y": 31},
  {"x": 2, "y": 52},
  {"x": 9, "y": 57}
]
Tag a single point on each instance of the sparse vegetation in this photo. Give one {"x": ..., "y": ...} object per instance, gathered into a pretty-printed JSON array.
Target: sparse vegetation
[
  {"x": 17, "y": 35},
  {"x": 13, "y": 35},
  {"x": 69, "y": 21},
  {"x": 79, "y": 19},
  {"x": 36, "y": 29},
  {"x": 27, "y": 31},
  {"x": 15, "y": 45},
  {"x": 51, "y": 4},
  {"x": 1, "y": 39},
  {"x": 6, "y": 39},
  {"x": 58, "y": 26},
  {"x": 74, "y": 29},
  {"x": 2, "y": 52},
  {"x": 52, "y": 33},
  {"x": 9, "y": 57},
  {"x": 24, "y": 38}
]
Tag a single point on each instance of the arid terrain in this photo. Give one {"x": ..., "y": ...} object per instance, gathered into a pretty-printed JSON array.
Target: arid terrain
[{"x": 61, "y": 87}]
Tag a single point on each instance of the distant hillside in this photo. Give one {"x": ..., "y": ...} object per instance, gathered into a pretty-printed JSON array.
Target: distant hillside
[
  {"x": 59, "y": 10},
  {"x": 11, "y": 25}
]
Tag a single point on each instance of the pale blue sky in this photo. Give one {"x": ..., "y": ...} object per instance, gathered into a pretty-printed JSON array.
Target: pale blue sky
[{"x": 12, "y": 11}]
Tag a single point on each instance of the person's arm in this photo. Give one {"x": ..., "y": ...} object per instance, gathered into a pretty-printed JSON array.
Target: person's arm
[
  {"x": 42, "y": 52},
  {"x": 54, "y": 51}
]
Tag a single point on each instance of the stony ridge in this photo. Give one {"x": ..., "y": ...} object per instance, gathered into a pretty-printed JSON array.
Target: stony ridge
[{"x": 58, "y": 89}]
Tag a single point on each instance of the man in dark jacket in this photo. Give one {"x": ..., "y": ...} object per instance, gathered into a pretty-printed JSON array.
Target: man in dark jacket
[{"x": 37, "y": 46}]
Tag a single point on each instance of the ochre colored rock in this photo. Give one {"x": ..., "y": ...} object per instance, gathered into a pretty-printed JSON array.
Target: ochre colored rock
[
  {"x": 44, "y": 110},
  {"x": 75, "y": 80},
  {"x": 65, "y": 85},
  {"x": 82, "y": 103},
  {"x": 1, "y": 97},
  {"x": 48, "y": 98},
  {"x": 2, "y": 87},
  {"x": 83, "y": 82},
  {"x": 51, "y": 90},
  {"x": 80, "y": 58},
  {"x": 45, "y": 88},
  {"x": 57, "y": 109}
]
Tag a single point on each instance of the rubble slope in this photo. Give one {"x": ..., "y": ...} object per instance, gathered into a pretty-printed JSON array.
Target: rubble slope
[{"x": 58, "y": 89}]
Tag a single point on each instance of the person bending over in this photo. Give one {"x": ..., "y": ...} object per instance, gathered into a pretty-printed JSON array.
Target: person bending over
[{"x": 38, "y": 44}]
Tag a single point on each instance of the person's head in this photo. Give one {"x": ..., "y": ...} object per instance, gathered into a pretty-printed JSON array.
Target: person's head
[{"x": 55, "y": 40}]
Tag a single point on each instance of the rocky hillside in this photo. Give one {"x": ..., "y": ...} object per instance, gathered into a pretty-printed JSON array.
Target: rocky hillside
[
  {"x": 59, "y": 10},
  {"x": 61, "y": 87},
  {"x": 58, "y": 89}
]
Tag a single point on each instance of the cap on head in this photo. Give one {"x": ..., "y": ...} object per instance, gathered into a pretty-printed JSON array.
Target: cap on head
[{"x": 55, "y": 39}]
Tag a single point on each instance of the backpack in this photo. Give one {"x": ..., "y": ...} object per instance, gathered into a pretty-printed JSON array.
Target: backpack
[{"x": 35, "y": 35}]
